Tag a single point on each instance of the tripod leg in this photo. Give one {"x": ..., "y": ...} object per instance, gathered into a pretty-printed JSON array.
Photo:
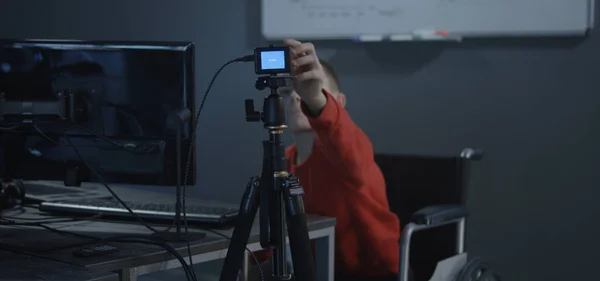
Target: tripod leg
[
  {"x": 278, "y": 231},
  {"x": 243, "y": 226},
  {"x": 266, "y": 185},
  {"x": 302, "y": 257}
]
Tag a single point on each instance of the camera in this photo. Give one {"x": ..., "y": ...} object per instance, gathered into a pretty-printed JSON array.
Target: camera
[{"x": 272, "y": 60}]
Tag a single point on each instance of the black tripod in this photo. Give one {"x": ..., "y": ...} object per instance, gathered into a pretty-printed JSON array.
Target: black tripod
[{"x": 279, "y": 195}]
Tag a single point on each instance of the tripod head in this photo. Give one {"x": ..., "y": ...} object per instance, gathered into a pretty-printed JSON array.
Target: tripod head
[{"x": 273, "y": 115}]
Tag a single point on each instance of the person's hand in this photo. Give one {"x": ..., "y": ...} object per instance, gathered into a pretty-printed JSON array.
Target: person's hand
[{"x": 308, "y": 74}]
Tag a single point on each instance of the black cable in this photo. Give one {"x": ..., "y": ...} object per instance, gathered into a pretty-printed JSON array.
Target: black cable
[
  {"x": 130, "y": 240},
  {"x": 103, "y": 181},
  {"x": 11, "y": 220},
  {"x": 52, "y": 219},
  {"x": 165, "y": 246},
  {"x": 11, "y": 128},
  {"x": 140, "y": 220},
  {"x": 44, "y": 135},
  {"x": 42, "y": 224},
  {"x": 191, "y": 272},
  {"x": 247, "y": 58},
  {"x": 127, "y": 237},
  {"x": 139, "y": 148},
  {"x": 109, "y": 141},
  {"x": 123, "y": 239}
]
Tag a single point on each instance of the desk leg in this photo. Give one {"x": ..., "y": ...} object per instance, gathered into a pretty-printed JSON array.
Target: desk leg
[
  {"x": 325, "y": 257},
  {"x": 128, "y": 274}
]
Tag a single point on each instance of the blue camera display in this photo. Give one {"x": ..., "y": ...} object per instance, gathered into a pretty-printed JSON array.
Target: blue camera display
[{"x": 272, "y": 60}]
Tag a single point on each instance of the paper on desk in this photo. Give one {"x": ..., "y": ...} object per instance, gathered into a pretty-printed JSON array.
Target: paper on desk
[{"x": 448, "y": 269}]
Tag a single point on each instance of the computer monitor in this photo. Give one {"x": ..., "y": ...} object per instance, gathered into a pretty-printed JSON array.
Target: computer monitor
[{"x": 112, "y": 100}]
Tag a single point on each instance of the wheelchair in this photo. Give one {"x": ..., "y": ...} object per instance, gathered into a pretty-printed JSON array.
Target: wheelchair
[{"x": 429, "y": 193}]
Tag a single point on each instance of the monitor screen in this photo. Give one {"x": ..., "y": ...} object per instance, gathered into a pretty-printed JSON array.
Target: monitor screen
[{"x": 123, "y": 93}]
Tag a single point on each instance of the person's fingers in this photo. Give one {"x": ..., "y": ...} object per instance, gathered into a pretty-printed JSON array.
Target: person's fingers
[
  {"x": 306, "y": 61},
  {"x": 292, "y": 42},
  {"x": 303, "y": 49},
  {"x": 306, "y": 76}
]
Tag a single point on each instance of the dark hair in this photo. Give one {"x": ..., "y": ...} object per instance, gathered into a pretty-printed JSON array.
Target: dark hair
[{"x": 329, "y": 70}]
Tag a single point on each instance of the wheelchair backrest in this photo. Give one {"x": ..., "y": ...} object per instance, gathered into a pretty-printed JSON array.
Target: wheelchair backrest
[{"x": 414, "y": 182}]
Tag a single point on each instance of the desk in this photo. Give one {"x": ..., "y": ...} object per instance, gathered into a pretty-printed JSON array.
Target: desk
[
  {"x": 23, "y": 267},
  {"x": 133, "y": 260}
]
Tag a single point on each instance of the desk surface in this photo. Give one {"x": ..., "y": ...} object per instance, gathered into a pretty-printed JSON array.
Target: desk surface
[
  {"x": 60, "y": 247},
  {"x": 23, "y": 267}
]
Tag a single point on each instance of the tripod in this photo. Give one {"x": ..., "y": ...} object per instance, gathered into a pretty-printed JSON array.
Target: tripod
[{"x": 279, "y": 195}]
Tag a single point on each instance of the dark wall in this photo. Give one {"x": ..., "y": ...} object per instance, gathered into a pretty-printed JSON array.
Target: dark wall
[{"x": 533, "y": 104}]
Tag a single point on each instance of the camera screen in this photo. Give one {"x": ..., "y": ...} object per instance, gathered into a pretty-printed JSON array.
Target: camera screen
[{"x": 272, "y": 60}]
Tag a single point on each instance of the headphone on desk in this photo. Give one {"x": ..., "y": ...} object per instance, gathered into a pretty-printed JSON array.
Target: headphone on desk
[{"x": 12, "y": 193}]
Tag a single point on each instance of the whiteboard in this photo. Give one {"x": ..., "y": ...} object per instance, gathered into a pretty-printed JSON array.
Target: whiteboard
[{"x": 423, "y": 19}]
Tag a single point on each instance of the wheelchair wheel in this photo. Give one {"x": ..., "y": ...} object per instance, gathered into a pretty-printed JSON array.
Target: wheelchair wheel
[
  {"x": 489, "y": 275},
  {"x": 476, "y": 270}
]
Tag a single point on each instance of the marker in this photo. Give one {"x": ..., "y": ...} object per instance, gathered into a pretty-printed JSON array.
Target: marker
[
  {"x": 430, "y": 34},
  {"x": 401, "y": 37},
  {"x": 441, "y": 33},
  {"x": 370, "y": 38}
]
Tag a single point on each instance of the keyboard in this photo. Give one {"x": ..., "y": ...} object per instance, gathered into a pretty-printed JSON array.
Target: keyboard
[{"x": 195, "y": 213}]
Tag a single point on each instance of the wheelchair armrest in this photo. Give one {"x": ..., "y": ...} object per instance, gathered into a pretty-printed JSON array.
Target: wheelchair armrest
[{"x": 439, "y": 214}]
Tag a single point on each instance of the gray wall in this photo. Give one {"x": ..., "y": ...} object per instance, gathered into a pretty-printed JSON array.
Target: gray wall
[{"x": 532, "y": 104}]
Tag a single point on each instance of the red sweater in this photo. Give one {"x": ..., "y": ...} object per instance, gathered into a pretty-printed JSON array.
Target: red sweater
[{"x": 342, "y": 180}]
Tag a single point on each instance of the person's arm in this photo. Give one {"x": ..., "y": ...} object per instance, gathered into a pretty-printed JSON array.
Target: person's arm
[{"x": 343, "y": 143}]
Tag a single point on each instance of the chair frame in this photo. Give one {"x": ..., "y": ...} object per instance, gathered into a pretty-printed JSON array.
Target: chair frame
[{"x": 436, "y": 216}]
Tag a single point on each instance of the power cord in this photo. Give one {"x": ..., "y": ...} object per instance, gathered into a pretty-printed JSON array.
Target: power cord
[
  {"x": 248, "y": 58},
  {"x": 42, "y": 224},
  {"x": 44, "y": 135},
  {"x": 80, "y": 157},
  {"x": 114, "y": 143},
  {"x": 122, "y": 239},
  {"x": 190, "y": 272},
  {"x": 54, "y": 218},
  {"x": 103, "y": 181}
]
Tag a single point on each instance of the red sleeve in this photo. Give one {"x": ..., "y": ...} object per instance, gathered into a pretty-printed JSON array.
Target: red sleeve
[
  {"x": 342, "y": 142},
  {"x": 261, "y": 256}
]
